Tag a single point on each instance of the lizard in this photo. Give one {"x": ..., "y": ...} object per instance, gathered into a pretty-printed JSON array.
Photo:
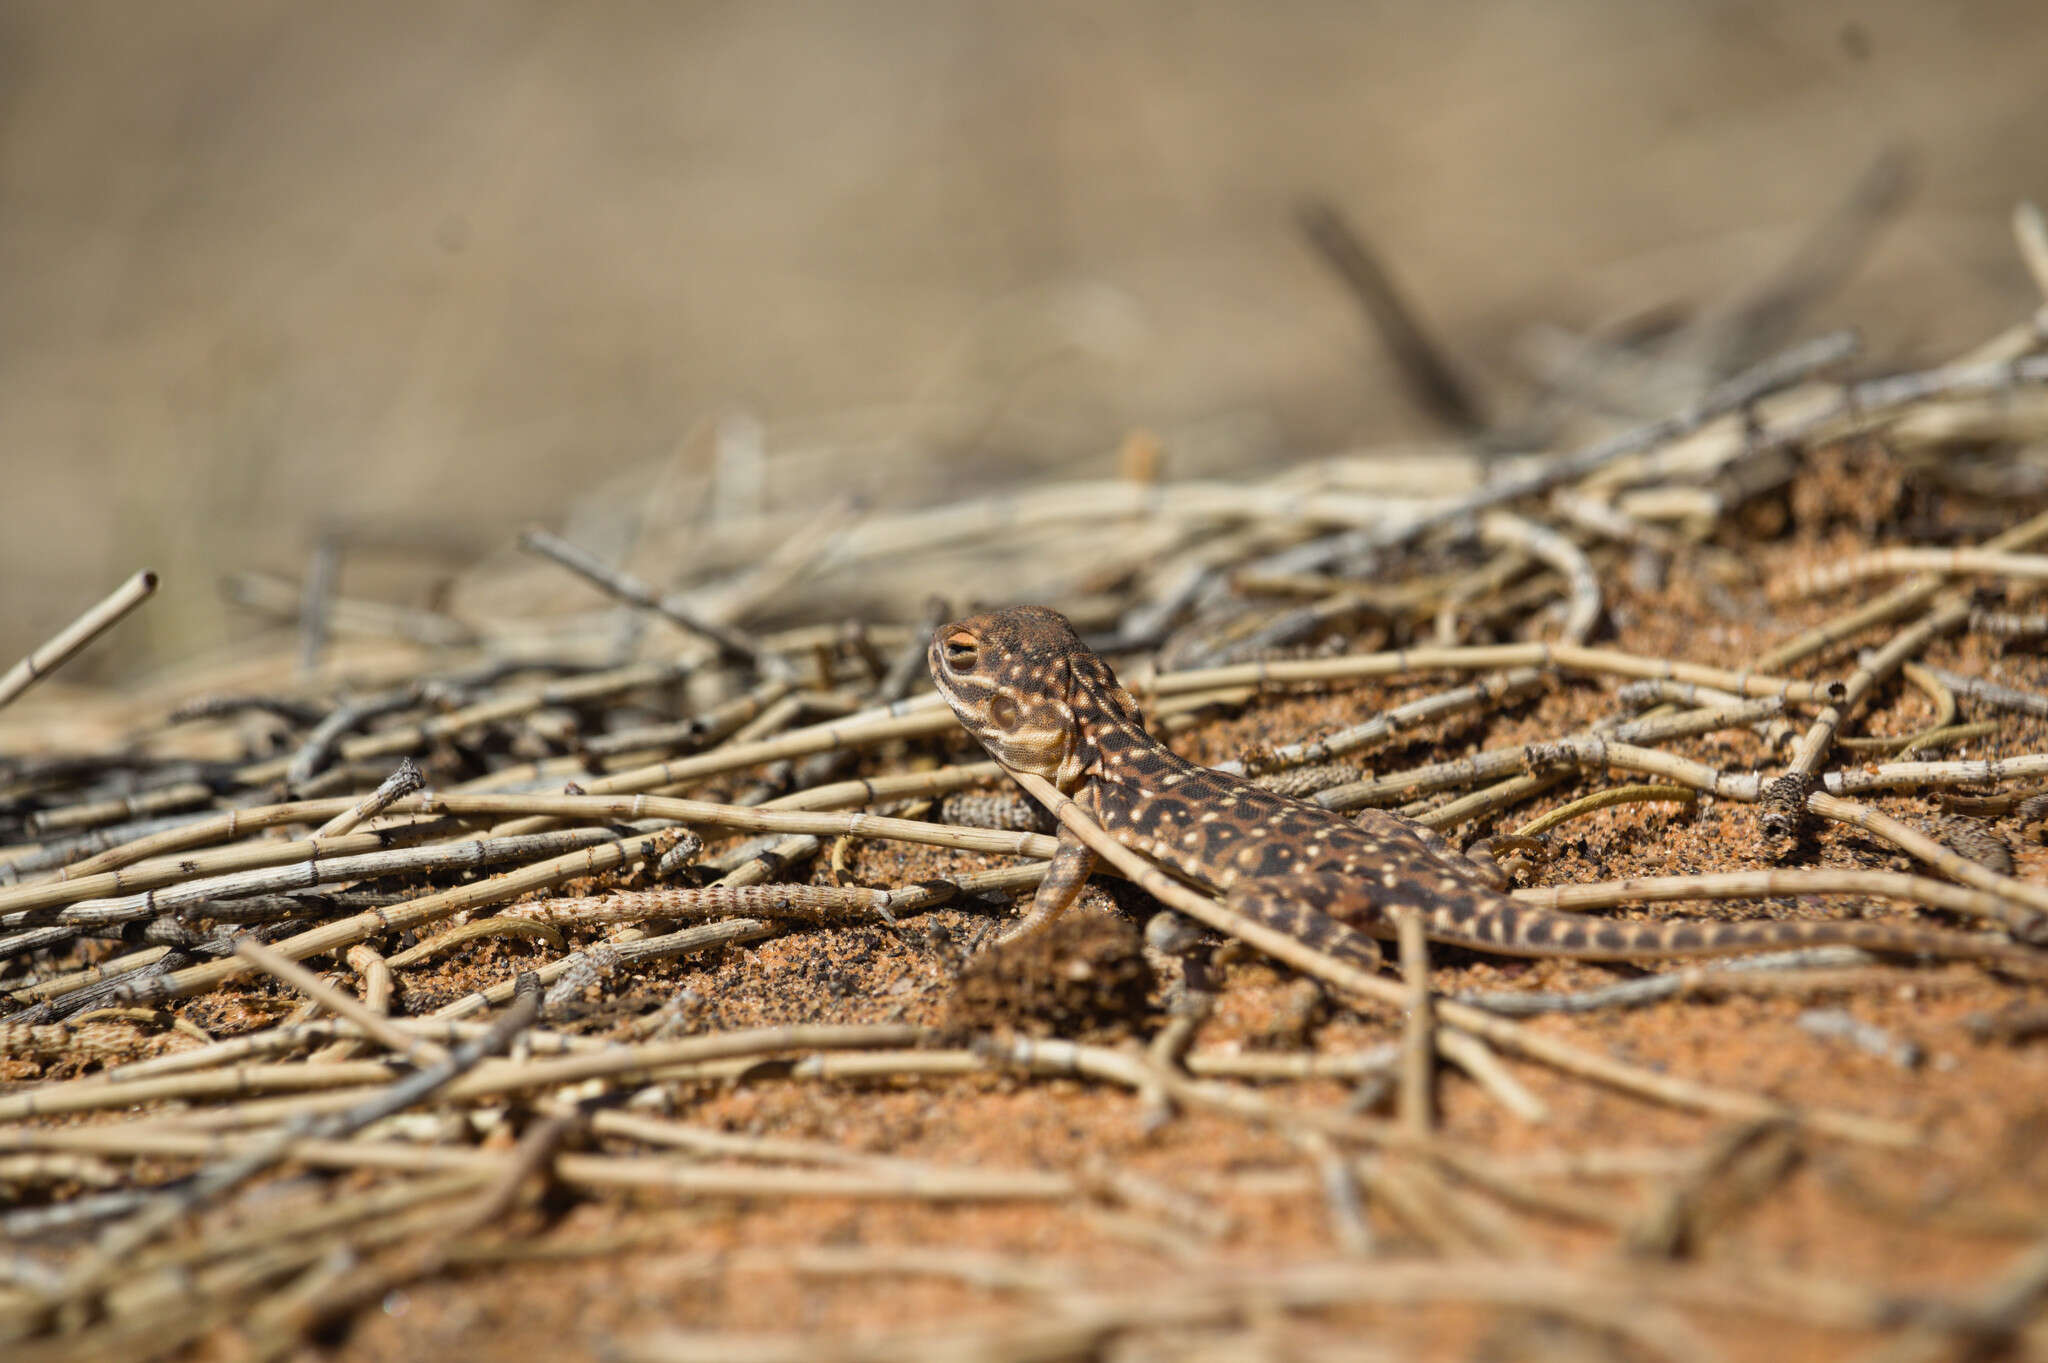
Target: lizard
[{"x": 1039, "y": 701}]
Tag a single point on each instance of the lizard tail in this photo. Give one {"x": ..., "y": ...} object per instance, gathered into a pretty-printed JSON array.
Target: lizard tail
[{"x": 1516, "y": 930}]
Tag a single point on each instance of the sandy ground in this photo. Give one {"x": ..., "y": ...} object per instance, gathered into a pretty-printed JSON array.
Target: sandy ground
[{"x": 584, "y": 1273}]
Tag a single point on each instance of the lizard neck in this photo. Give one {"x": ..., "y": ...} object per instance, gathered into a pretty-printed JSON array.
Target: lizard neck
[{"x": 1114, "y": 749}]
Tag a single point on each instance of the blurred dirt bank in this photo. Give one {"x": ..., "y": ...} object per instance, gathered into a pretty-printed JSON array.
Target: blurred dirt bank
[{"x": 419, "y": 274}]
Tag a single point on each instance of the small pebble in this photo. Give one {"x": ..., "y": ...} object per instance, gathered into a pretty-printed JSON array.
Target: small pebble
[{"x": 1839, "y": 1025}]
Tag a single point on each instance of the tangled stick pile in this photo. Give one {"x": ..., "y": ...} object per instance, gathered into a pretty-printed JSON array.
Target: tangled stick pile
[{"x": 651, "y": 944}]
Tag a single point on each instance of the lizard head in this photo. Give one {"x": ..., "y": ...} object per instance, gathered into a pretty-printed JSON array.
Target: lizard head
[{"x": 1029, "y": 690}]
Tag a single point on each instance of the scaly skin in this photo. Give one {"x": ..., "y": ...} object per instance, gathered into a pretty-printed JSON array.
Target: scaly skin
[{"x": 1040, "y": 701}]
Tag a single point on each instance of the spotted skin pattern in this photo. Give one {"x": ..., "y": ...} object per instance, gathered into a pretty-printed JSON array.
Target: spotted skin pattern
[{"x": 1040, "y": 701}]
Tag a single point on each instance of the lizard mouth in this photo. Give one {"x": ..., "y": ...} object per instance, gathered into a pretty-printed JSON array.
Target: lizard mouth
[{"x": 1001, "y": 726}]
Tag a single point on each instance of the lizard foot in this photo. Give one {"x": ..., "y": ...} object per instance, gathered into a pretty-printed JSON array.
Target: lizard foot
[{"x": 1484, "y": 857}]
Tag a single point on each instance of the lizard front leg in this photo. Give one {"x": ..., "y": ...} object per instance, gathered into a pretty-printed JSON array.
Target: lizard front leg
[{"x": 1068, "y": 871}]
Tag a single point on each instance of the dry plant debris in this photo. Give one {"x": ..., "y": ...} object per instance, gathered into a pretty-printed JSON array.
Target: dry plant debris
[{"x": 509, "y": 979}]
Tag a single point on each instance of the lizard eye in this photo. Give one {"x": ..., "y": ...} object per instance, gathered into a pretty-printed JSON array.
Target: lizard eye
[{"x": 962, "y": 652}]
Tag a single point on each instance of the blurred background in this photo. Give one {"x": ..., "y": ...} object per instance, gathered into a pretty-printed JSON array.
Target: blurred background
[{"x": 407, "y": 277}]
